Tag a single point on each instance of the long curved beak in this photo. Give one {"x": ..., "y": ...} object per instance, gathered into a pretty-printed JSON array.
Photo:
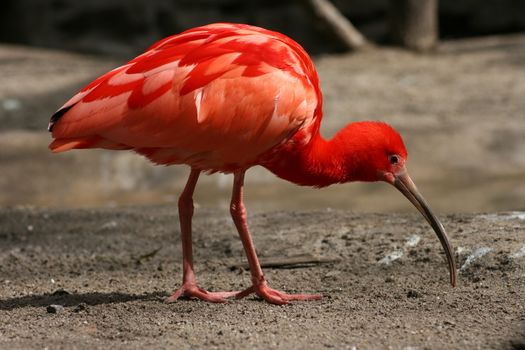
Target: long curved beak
[{"x": 405, "y": 185}]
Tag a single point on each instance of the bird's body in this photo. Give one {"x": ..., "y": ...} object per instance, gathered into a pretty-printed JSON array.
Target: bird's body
[
  {"x": 198, "y": 98},
  {"x": 225, "y": 97}
]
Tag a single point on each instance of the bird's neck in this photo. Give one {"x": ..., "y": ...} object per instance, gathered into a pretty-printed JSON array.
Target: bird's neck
[{"x": 318, "y": 163}]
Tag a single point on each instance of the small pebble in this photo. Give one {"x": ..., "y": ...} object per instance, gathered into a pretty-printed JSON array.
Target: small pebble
[
  {"x": 80, "y": 307},
  {"x": 109, "y": 224},
  {"x": 332, "y": 274},
  {"x": 413, "y": 294},
  {"x": 54, "y": 309}
]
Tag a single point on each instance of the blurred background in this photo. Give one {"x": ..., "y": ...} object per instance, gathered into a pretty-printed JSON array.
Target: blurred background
[{"x": 448, "y": 74}]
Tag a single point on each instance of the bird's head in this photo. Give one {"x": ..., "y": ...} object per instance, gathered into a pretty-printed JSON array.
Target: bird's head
[{"x": 374, "y": 151}]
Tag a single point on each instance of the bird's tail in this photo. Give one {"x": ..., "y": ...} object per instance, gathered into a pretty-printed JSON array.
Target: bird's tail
[{"x": 66, "y": 144}]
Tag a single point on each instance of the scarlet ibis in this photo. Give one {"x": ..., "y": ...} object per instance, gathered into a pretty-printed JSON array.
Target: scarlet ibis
[{"x": 223, "y": 98}]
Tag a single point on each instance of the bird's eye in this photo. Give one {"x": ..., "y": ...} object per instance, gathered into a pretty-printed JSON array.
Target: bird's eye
[{"x": 393, "y": 159}]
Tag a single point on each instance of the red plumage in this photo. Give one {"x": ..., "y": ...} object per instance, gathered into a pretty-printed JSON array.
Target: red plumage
[{"x": 198, "y": 97}]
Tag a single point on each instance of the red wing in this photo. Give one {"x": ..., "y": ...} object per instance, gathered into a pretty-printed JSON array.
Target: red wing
[{"x": 197, "y": 96}]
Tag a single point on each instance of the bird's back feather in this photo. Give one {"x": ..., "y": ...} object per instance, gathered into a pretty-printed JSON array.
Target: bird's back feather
[{"x": 215, "y": 97}]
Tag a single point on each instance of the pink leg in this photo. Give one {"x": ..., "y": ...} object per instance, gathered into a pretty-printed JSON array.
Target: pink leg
[
  {"x": 189, "y": 284},
  {"x": 259, "y": 285}
]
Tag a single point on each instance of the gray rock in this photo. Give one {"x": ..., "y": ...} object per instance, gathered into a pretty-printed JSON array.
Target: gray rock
[{"x": 54, "y": 309}]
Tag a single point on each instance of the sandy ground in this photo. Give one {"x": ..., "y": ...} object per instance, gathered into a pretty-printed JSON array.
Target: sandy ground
[
  {"x": 110, "y": 270},
  {"x": 462, "y": 114}
]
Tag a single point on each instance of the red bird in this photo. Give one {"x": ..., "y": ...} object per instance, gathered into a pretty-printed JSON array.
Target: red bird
[{"x": 225, "y": 97}]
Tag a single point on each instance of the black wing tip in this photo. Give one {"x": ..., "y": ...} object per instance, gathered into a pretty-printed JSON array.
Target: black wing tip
[{"x": 58, "y": 114}]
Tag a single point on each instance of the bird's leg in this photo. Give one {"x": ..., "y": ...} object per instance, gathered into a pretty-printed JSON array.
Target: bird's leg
[
  {"x": 259, "y": 284},
  {"x": 189, "y": 284}
]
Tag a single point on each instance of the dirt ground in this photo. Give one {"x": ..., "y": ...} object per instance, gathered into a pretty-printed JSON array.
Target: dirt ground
[
  {"x": 110, "y": 269},
  {"x": 384, "y": 279}
]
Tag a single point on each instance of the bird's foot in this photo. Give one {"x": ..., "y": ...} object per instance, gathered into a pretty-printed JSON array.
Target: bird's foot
[
  {"x": 274, "y": 296},
  {"x": 192, "y": 291}
]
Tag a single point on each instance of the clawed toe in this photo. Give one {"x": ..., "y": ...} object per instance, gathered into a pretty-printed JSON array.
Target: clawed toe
[
  {"x": 194, "y": 292},
  {"x": 274, "y": 296}
]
